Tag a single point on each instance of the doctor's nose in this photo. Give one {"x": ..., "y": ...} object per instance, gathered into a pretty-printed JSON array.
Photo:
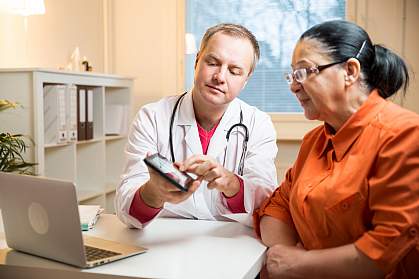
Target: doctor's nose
[{"x": 220, "y": 75}]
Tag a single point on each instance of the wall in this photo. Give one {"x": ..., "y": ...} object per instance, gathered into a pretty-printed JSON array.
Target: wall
[
  {"x": 147, "y": 44},
  {"x": 393, "y": 23},
  {"x": 50, "y": 38},
  {"x": 144, "y": 44},
  {"x": 144, "y": 39}
]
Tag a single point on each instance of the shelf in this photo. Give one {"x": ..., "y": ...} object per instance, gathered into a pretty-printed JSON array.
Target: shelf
[
  {"x": 83, "y": 195},
  {"x": 54, "y": 145},
  {"x": 89, "y": 141},
  {"x": 110, "y": 188},
  {"x": 94, "y": 165},
  {"x": 107, "y": 138},
  {"x": 115, "y": 137}
]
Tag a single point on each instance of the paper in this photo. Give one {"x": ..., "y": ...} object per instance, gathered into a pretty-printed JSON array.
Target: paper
[
  {"x": 116, "y": 119},
  {"x": 89, "y": 215}
]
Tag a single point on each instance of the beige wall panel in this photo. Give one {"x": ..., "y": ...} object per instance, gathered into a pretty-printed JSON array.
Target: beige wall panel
[
  {"x": 412, "y": 54},
  {"x": 384, "y": 23},
  {"x": 145, "y": 46},
  {"x": 50, "y": 38},
  {"x": 287, "y": 153},
  {"x": 393, "y": 23}
]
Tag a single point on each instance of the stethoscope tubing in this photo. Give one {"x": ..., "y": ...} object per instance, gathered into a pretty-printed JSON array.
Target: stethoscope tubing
[{"x": 237, "y": 125}]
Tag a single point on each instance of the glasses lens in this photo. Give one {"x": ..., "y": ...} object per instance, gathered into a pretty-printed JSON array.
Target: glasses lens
[
  {"x": 288, "y": 78},
  {"x": 300, "y": 75}
]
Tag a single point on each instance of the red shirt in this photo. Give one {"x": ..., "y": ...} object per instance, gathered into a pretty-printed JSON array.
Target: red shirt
[{"x": 144, "y": 213}]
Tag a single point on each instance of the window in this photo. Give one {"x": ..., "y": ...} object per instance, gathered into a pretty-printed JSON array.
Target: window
[{"x": 277, "y": 24}]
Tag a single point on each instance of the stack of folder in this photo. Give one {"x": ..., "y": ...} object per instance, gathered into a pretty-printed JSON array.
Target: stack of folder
[
  {"x": 68, "y": 113},
  {"x": 85, "y": 113},
  {"x": 89, "y": 214}
]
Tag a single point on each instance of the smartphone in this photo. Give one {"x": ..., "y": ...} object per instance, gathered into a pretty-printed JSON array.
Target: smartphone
[{"x": 166, "y": 169}]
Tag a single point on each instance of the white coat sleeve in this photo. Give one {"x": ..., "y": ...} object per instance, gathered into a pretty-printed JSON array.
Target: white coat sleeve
[
  {"x": 142, "y": 138},
  {"x": 259, "y": 174}
]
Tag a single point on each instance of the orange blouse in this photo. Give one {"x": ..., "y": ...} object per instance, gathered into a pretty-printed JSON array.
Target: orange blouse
[{"x": 360, "y": 185}]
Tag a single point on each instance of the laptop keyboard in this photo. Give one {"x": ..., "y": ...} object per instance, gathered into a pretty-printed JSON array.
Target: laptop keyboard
[{"x": 93, "y": 253}]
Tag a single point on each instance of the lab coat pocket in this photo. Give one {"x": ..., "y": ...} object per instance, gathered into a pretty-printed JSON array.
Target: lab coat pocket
[{"x": 345, "y": 217}]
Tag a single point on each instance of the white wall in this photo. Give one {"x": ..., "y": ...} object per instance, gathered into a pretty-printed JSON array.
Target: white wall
[{"x": 50, "y": 38}]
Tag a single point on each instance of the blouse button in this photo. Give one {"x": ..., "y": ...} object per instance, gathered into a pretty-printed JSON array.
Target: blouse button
[
  {"x": 345, "y": 205},
  {"x": 413, "y": 232}
]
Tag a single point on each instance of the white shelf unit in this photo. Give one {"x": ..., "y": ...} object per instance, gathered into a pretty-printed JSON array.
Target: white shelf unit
[{"x": 93, "y": 165}]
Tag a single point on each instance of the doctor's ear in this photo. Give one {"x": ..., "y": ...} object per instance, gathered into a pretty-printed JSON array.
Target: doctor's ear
[
  {"x": 244, "y": 84},
  {"x": 196, "y": 59}
]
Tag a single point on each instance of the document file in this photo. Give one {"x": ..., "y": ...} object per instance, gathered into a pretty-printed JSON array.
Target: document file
[
  {"x": 71, "y": 109},
  {"x": 81, "y": 114},
  {"x": 55, "y": 120},
  {"x": 89, "y": 214},
  {"x": 89, "y": 114},
  {"x": 116, "y": 119}
]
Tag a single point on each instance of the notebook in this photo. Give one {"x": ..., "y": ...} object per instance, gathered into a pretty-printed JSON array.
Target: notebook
[
  {"x": 89, "y": 214},
  {"x": 41, "y": 217}
]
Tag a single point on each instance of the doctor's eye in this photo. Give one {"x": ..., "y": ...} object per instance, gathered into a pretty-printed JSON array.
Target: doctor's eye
[
  {"x": 236, "y": 71},
  {"x": 211, "y": 62}
]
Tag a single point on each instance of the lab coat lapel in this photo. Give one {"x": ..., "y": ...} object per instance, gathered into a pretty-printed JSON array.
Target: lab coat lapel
[
  {"x": 192, "y": 140},
  {"x": 218, "y": 141},
  {"x": 186, "y": 118}
]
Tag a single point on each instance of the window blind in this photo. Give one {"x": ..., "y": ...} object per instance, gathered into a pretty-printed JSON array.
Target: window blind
[{"x": 277, "y": 24}]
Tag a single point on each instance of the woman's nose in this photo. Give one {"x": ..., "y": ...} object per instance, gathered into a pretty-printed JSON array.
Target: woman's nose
[{"x": 295, "y": 86}]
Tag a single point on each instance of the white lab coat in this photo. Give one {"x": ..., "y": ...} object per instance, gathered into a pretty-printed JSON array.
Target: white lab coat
[{"x": 150, "y": 133}]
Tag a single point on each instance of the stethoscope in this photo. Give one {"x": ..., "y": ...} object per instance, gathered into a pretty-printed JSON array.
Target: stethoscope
[{"x": 240, "y": 124}]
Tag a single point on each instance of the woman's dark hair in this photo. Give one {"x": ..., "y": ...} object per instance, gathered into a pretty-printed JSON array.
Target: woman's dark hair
[{"x": 381, "y": 68}]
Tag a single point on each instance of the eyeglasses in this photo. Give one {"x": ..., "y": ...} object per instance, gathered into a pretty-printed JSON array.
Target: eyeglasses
[{"x": 300, "y": 75}]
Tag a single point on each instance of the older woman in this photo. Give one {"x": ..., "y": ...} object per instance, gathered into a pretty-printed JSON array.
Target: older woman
[{"x": 349, "y": 206}]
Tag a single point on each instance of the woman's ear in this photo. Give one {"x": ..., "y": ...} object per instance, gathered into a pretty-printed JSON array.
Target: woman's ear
[{"x": 353, "y": 71}]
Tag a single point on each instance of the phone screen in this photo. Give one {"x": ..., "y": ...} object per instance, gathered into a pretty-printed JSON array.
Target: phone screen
[{"x": 169, "y": 171}]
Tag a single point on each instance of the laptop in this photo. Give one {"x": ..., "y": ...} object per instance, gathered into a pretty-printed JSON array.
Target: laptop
[{"x": 41, "y": 217}]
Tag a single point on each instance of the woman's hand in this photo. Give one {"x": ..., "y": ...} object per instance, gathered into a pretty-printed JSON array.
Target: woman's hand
[{"x": 284, "y": 261}]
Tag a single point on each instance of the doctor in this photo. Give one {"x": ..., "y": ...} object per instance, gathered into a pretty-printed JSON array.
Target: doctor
[{"x": 228, "y": 144}]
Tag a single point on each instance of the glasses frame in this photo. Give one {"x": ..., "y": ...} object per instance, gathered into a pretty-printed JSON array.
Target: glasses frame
[{"x": 290, "y": 77}]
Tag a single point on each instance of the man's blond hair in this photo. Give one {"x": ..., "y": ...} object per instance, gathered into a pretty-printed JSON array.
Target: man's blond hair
[{"x": 234, "y": 30}]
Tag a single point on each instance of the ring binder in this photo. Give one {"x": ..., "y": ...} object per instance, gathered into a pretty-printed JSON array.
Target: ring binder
[
  {"x": 81, "y": 113},
  {"x": 55, "y": 118},
  {"x": 89, "y": 114}
]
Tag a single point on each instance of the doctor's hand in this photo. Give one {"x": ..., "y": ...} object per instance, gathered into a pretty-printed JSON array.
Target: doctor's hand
[
  {"x": 158, "y": 190},
  {"x": 210, "y": 170}
]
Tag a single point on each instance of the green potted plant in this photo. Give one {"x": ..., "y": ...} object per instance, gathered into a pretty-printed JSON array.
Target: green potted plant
[{"x": 12, "y": 147}]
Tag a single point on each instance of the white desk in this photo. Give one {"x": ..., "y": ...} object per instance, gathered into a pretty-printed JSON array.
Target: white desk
[{"x": 178, "y": 248}]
